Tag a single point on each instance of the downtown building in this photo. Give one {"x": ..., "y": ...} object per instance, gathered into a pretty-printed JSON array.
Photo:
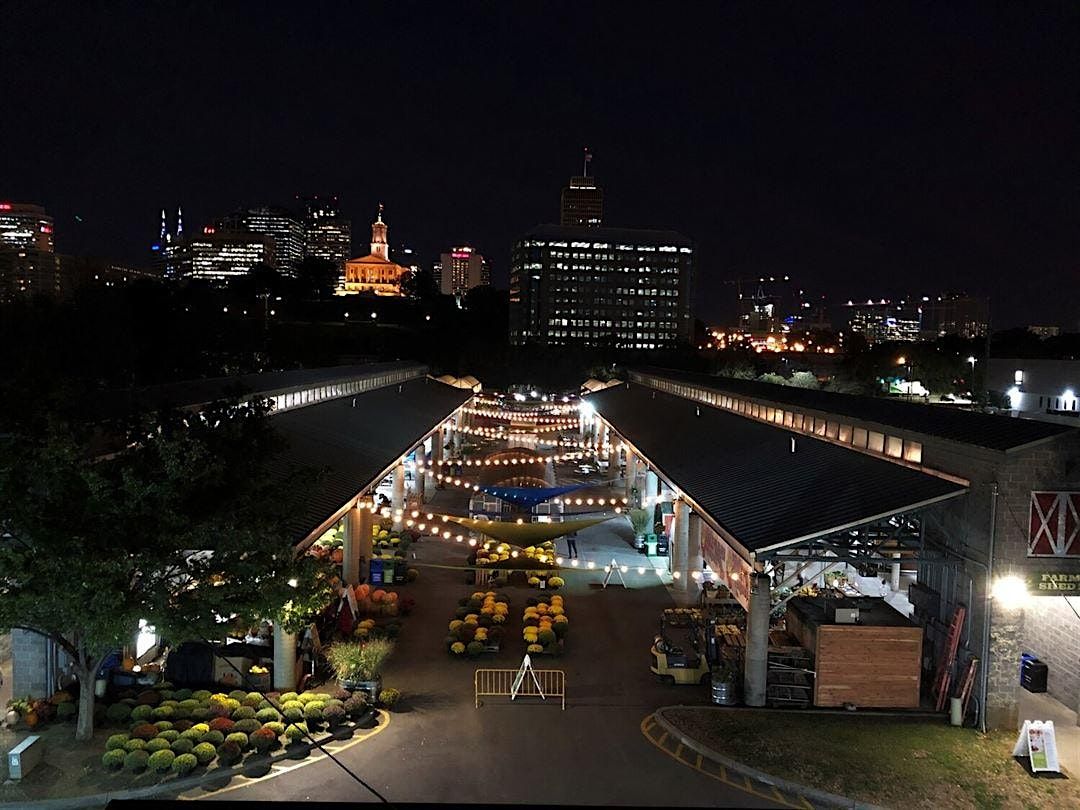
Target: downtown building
[
  {"x": 219, "y": 255},
  {"x": 375, "y": 273},
  {"x": 327, "y": 234},
  {"x": 282, "y": 226},
  {"x": 460, "y": 270},
  {"x": 885, "y": 321},
  {"x": 28, "y": 261},
  {"x": 619, "y": 288}
]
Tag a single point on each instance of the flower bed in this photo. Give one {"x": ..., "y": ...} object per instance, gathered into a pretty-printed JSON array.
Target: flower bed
[
  {"x": 478, "y": 624},
  {"x": 177, "y": 731},
  {"x": 545, "y": 624}
]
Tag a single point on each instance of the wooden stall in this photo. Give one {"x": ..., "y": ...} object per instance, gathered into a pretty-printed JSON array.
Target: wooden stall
[{"x": 875, "y": 663}]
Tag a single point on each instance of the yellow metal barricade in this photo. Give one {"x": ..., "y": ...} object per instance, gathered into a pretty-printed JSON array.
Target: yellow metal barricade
[{"x": 499, "y": 683}]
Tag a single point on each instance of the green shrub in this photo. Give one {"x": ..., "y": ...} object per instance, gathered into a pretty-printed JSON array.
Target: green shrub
[
  {"x": 163, "y": 725},
  {"x": 243, "y": 713},
  {"x": 182, "y": 746},
  {"x": 287, "y": 696},
  {"x": 560, "y": 629},
  {"x": 306, "y": 697},
  {"x": 135, "y": 745},
  {"x": 136, "y": 761},
  {"x": 205, "y": 753},
  {"x": 545, "y": 637},
  {"x": 167, "y": 695},
  {"x": 141, "y": 713},
  {"x": 192, "y": 734},
  {"x": 202, "y": 728},
  {"x": 113, "y": 759},
  {"x": 293, "y": 714},
  {"x": 276, "y": 726},
  {"x": 181, "y": 712},
  {"x": 267, "y": 715},
  {"x": 201, "y": 695},
  {"x": 161, "y": 761},
  {"x": 118, "y": 713},
  {"x": 356, "y": 705},
  {"x": 201, "y": 713},
  {"x": 296, "y": 733},
  {"x": 338, "y": 701},
  {"x": 237, "y": 695},
  {"x": 247, "y": 726},
  {"x": 116, "y": 742},
  {"x": 292, "y": 704},
  {"x": 188, "y": 704},
  {"x": 156, "y": 744},
  {"x": 474, "y": 649},
  {"x": 213, "y": 737},
  {"x": 184, "y": 764},
  {"x": 389, "y": 697},
  {"x": 229, "y": 753},
  {"x": 240, "y": 738},
  {"x": 182, "y": 695},
  {"x": 313, "y": 711},
  {"x": 169, "y": 734},
  {"x": 252, "y": 700}
]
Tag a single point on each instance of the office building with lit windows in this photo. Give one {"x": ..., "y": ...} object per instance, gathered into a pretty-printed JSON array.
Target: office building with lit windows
[
  {"x": 885, "y": 321},
  {"x": 25, "y": 227},
  {"x": 461, "y": 269},
  {"x": 615, "y": 287},
  {"x": 217, "y": 255},
  {"x": 279, "y": 224},
  {"x": 327, "y": 234}
]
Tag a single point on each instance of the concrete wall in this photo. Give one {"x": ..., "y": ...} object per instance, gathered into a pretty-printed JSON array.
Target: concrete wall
[
  {"x": 30, "y": 655},
  {"x": 1052, "y": 632}
]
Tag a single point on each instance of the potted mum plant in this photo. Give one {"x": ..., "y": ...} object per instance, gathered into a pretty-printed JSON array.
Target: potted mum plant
[{"x": 359, "y": 666}]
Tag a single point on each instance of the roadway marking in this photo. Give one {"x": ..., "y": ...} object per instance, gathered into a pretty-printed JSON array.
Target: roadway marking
[
  {"x": 719, "y": 772},
  {"x": 278, "y": 769}
]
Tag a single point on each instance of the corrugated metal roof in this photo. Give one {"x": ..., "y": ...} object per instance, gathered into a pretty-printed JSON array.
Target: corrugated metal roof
[
  {"x": 744, "y": 475},
  {"x": 352, "y": 445},
  {"x": 991, "y": 431}
]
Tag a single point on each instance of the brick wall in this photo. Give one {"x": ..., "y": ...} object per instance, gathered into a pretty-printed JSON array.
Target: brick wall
[
  {"x": 1003, "y": 678},
  {"x": 1052, "y": 632}
]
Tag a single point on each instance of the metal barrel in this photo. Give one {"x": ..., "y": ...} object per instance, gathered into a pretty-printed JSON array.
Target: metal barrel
[{"x": 723, "y": 693}]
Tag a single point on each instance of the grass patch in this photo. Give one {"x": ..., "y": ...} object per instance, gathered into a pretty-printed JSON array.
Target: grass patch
[{"x": 881, "y": 760}]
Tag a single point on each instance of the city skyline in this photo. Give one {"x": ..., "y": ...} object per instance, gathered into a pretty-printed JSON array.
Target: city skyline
[{"x": 940, "y": 162}]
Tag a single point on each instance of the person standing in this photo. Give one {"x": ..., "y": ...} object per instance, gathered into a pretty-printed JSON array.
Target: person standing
[{"x": 571, "y": 542}]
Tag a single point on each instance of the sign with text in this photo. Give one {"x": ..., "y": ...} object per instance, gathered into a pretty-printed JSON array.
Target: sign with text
[
  {"x": 1054, "y": 524},
  {"x": 1053, "y": 583},
  {"x": 1038, "y": 742},
  {"x": 729, "y": 567}
]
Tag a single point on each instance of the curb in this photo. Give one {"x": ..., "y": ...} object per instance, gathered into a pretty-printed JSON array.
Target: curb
[
  {"x": 821, "y": 797},
  {"x": 175, "y": 785}
]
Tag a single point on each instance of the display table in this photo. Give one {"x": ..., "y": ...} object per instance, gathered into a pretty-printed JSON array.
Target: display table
[{"x": 873, "y": 664}]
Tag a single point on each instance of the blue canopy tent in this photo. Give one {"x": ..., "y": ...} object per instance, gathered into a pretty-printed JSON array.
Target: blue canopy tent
[{"x": 530, "y": 496}]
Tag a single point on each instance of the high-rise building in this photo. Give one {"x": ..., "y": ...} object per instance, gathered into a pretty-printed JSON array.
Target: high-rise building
[
  {"x": 884, "y": 321},
  {"x": 461, "y": 269},
  {"x": 955, "y": 314},
  {"x": 614, "y": 287},
  {"x": 327, "y": 234},
  {"x": 217, "y": 255},
  {"x": 281, "y": 225},
  {"x": 164, "y": 262},
  {"x": 582, "y": 201},
  {"x": 25, "y": 272},
  {"x": 375, "y": 272},
  {"x": 26, "y": 227}
]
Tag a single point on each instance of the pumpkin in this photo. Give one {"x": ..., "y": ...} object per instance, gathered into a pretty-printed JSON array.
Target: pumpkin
[
  {"x": 362, "y": 591},
  {"x": 378, "y": 596}
]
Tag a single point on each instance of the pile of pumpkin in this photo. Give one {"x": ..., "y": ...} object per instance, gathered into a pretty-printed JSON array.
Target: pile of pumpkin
[
  {"x": 179, "y": 730},
  {"x": 544, "y": 625},
  {"x": 377, "y": 602},
  {"x": 477, "y": 623}
]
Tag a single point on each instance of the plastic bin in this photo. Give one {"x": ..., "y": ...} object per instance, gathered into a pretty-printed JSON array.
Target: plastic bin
[{"x": 375, "y": 571}]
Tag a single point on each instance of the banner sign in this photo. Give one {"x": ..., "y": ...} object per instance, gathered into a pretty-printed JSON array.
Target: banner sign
[
  {"x": 1053, "y": 583},
  {"x": 729, "y": 567},
  {"x": 1054, "y": 524}
]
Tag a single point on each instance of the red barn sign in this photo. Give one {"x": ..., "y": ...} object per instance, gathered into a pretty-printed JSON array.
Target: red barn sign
[
  {"x": 728, "y": 566},
  {"x": 1054, "y": 524}
]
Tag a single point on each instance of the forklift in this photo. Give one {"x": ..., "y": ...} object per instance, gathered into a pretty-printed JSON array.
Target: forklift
[{"x": 673, "y": 665}]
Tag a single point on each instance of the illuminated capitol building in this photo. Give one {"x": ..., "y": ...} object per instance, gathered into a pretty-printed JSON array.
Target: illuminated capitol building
[{"x": 375, "y": 272}]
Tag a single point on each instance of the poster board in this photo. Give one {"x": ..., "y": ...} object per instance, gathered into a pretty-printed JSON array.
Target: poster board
[
  {"x": 1038, "y": 742},
  {"x": 728, "y": 567}
]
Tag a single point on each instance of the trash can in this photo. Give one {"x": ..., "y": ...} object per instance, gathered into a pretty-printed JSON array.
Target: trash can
[
  {"x": 375, "y": 571},
  {"x": 650, "y": 544},
  {"x": 723, "y": 692}
]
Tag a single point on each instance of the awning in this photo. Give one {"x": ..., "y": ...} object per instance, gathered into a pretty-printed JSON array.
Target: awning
[
  {"x": 529, "y": 496},
  {"x": 526, "y": 534}
]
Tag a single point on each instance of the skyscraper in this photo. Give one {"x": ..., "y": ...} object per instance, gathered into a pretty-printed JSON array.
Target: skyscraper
[
  {"x": 327, "y": 234},
  {"x": 220, "y": 255},
  {"x": 883, "y": 321},
  {"x": 279, "y": 224},
  {"x": 582, "y": 201},
  {"x": 26, "y": 226},
  {"x": 164, "y": 261},
  {"x": 461, "y": 269},
  {"x": 615, "y": 287}
]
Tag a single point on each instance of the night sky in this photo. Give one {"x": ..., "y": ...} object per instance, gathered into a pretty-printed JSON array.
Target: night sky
[{"x": 862, "y": 148}]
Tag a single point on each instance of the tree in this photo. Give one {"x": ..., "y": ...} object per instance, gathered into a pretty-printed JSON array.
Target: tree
[
  {"x": 316, "y": 277},
  {"x": 93, "y": 543},
  {"x": 803, "y": 379},
  {"x": 775, "y": 379}
]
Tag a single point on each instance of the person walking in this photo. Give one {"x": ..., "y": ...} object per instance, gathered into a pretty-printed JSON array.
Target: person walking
[{"x": 571, "y": 542}]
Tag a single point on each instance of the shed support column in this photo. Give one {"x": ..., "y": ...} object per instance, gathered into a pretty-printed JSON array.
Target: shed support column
[
  {"x": 680, "y": 542},
  {"x": 649, "y": 498},
  {"x": 350, "y": 563},
  {"x": 436, "y": 454},
  {"x": 613, "y": 456},
  {"x": 894, "y": 573},
  {"x": 419, "y": 476},
  {"x": 631, "y": 472},
  {"x": 756, "y": 664},
  {"x": 601, "y": 436},
  {"x": 398, "y": 505},
  {"x": 367, "y": 541},
  {"x": 696, "y": 559},
  {"x": 457, "y": 433},
  {"x": 284, "y": 659}
]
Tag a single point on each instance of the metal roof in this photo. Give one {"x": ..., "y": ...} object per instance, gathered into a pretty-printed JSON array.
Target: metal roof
[
  {"x": 352, "y": 446},
  {"x": 743, "y": 474},
  {"x": 200, "y": 392},
  {"x": 629, "y": 235},
  {"x": 990, "y": 431}
]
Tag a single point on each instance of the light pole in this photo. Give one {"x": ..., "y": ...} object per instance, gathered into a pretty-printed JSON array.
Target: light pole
[{"x": 971, "y": 360}]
